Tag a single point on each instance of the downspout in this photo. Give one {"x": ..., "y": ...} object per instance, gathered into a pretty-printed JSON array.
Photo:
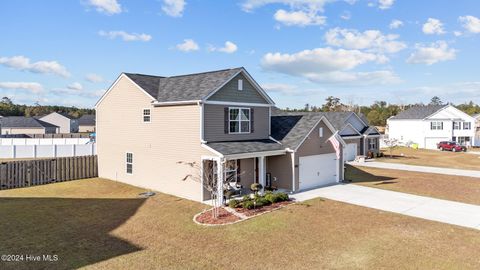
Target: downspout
[{"x": 292, "y": 156}]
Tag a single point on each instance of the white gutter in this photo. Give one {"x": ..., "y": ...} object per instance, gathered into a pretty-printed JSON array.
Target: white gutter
[{"x": 175, "y": 103}]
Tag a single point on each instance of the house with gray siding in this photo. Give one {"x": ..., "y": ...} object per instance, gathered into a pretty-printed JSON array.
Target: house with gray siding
[{"x": 148, "y": 127}]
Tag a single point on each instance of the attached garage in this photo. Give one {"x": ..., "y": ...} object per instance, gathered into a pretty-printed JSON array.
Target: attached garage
[
  {"x": 317, "y": 170},
  {"x": 350, "y": 152},
  {"x": 431, "y": 143}
]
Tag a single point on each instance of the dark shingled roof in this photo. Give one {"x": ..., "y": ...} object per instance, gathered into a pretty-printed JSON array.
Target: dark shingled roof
[
  {"x": 23, "y": 122},
  {"x": 418, "y": 112},
  {"x": 184, "y": 87},
  {"x": 87, "y": 120},
  {"x": 290, "y": 128},
  {"x": 240, "y": 147}
]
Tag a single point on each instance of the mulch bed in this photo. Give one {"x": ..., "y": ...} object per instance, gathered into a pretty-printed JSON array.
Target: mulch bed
[
  {"x": 267, "y": 208},
  {"x": 224, "y": 217}
]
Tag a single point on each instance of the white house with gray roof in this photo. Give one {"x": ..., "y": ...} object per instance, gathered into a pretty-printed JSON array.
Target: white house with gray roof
[
  {"x": 148, "y": 127},
  {"x": 429, "y": 125},
  {"x": 17, "y": 125},
  {"x": 65, "y": 122}
]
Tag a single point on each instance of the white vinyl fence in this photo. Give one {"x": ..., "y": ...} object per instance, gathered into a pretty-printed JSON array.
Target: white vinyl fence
[
  {"x": 47, "y": 151},
  {"x": 43, "y": 141}
]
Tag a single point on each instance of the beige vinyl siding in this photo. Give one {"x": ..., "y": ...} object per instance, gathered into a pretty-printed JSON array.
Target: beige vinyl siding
[
  {"x": 86, "y": 129},
  {"x": 65, "y": 124},
  {"x": 281, "y": 168},
  {"x": 313, "y": 145},
  {"x": 27, "y": 130},
  {"x": 214, "y": 123},
  {"x": 173, "y": 136},
  {"x": 229, "y": 92}
]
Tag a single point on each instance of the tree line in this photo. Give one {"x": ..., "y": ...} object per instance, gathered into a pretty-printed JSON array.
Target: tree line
[
  {"x": 378, "y": 113},
  {"x": 8, "y": 108}
]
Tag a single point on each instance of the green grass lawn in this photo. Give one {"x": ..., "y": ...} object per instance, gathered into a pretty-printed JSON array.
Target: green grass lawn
[{"x": 100, "y": 224}]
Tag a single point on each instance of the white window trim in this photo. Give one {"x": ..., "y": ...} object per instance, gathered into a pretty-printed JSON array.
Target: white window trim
[
  {"x": 457, "y": 127},
  {"x": 469, "y": 126},
  {"x": 240, "y": 121},
  {"x": 371, "y": 142},
  {"x": 126, "y": 163},
  {"x": 143, "y": 115},
  {"x": 234, "y": 170},
  {"x": 436, "y": 125}
]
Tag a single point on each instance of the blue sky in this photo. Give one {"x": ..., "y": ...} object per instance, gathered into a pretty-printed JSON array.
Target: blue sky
[{"x": 300, "y": 51}]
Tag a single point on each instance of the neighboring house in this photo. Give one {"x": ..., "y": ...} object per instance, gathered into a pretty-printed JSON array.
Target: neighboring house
[
  {"x": 86, "y": 123},
  {"x": 359, "y": 136},
  {"x": 477, "y": 129},
  {"x": 25, "y": 125},
  {"x": 66, "y": 123},
  {"x": 428, "y": 125},
  {"x": 221, "y": 120}
]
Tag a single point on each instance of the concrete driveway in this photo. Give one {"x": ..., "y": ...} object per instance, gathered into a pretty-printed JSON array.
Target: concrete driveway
[
  {"x": 450, "y": 212},
  {"x": 425, "y": 169}
]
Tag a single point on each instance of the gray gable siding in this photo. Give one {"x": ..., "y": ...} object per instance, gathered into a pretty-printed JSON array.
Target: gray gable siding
[
  {"x": 214, "y": 130},
  {"x": 229, "y": 92}
]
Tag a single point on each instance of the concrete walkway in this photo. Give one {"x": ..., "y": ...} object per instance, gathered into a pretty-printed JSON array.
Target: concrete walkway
[
  {"x": 424, "y": 169},
  {"x": 450, "y": 212}
]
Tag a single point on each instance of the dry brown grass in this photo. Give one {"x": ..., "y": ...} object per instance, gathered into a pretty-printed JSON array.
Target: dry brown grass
[
  {"x": 101, "y": 224},
  {"x": 448, "y": 187},
  {"x": 433, "y": 158}
]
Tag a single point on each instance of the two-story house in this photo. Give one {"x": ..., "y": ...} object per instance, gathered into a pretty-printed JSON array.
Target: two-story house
[
  {"x": 477, "y": 130},
  {"x": 148, "y": 127},
  {"x": 428, "y": 125},
  {"x": 65, "y": 122}
]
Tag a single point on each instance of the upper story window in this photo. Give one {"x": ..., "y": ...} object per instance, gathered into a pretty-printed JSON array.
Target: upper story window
[
  {"x": 240, "y": 85},
  {"x": 372, "y": 143},
  {"x": 320, "y": 132},
  {"x": 467, "y": 125},
  {"x": 239, "y": 120},
  {"x": 436, "y": 125},
  {"x": 456, "y": 125},
  {"x": 147, "y": 116}
]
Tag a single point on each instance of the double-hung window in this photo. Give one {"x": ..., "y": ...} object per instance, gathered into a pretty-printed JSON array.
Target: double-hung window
[
  {"x": 372, "y": 144},
  {"x": 467, "y": 125},
  {"x": 231, "y": 171},
  {"x": 436, "y": 125},
  {"x": 239, "y": 120},
  {"x": 147, "y": 115},
  {"x": 129, "y": 162},
  {"x": 456, "y": 125}
]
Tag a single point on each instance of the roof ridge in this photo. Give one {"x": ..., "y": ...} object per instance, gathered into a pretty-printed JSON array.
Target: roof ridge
[{"x": 183, "y": 75}]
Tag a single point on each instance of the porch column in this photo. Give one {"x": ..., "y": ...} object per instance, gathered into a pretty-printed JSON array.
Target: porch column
[
  {"x": 261, "y": 172},
  {"x": 220, "y": 180}
]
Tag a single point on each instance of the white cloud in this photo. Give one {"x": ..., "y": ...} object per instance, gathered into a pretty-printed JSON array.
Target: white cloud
[
  {"x": 396, "y": 24},
  {"x": 433, "y": 27},
  {"x": 385, "y": 4},
  {"x": 372, "y": 40},
  {"x": 328, "y": 65},
  {"x": 432, "y": 53},
  {"x": 229, "y": 47},
  {"x": 457, "y": 33},
  {"x": 125, "y": 36},
  {"x": 173, "y": 8},
  {"x": 298, "y": 18},
  {"x": 289, "y": 90},
  {"x": 45, "y": 67},
  {"x": 457, "y": 92},
  {"x": 109, "y": 7},
  {"x": 30, "y": 86},
  {"x": 312, "y": 5},
  {"x": 75, "y": 86},
  {"x": 346, "y": 15},
  {"x": 188, "y": 45},
  {"x": 94, "y": 78},
  {"x": 470, "y": 23}
]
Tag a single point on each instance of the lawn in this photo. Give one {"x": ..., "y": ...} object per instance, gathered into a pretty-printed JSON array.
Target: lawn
[
  {"x": 433, "y": 158},
  {"x": 100, "y": 224},
  {"x": 448, "y": 187}
]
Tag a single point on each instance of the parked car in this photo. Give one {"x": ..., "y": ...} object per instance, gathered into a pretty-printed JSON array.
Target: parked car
[{"x": 451, "y": 146}]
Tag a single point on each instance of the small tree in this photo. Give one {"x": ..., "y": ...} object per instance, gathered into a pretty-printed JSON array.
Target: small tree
[{"x": 391, "y": 145}]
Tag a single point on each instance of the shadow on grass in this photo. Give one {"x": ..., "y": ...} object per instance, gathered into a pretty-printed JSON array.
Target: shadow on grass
[
  {"x": 357, "y": 175},
  {"x": 399, "y": 157},
  {"x": 77, "y": 230}
]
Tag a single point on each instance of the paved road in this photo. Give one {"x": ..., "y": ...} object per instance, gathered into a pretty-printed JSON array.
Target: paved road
[
  {"x": 450, "y": 212},
  {"x": 424, "y": 169}
]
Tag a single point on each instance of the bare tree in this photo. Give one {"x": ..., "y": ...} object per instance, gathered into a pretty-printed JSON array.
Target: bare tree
[{"x": 391, "y": 145}]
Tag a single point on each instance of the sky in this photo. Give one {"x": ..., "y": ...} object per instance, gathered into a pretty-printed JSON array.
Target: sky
[{"x": 58, "y": 52}]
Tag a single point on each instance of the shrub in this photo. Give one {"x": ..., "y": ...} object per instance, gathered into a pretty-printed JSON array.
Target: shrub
[
  {"x": 282, "y": 196},
  {"x": 246, "y": 197},
  {"x": 261, "y": 201},
  {"x": 248, "y": 204},
  {"x": 276, "y": 197},
  {"x": 271, "y": 197},
  {"x": 234, "y": 203},
  {"x": 256, "y": 187}
]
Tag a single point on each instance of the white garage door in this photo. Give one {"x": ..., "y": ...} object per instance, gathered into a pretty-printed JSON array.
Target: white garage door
[
  {"x": 431, "y": 143},
  {"x": 350, "y": 152},
  {"x": 317, "y": 170}
]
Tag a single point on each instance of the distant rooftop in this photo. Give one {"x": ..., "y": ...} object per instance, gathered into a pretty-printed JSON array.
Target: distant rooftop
[{"x": 419, "y": 112}]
